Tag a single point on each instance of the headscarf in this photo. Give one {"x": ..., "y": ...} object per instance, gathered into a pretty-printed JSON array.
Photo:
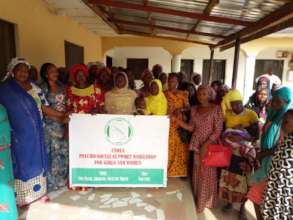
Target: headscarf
[
  {"x": 12, "y": 64},
  {"x": 271, "y": 135},
  {"x": 211, "y": 92},
  {"x": 125, "y": 88},
  {"x": 120, "y": 100},
  {"x": 231, "y": 96},
  {"x": 157, "y": 104},
  {"x": 77, "y": 68}
]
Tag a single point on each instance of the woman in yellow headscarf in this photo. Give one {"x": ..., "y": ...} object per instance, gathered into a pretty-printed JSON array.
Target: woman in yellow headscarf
[
  {"x": 232, "y": 95},
  {"x": 240, "y": 134},
  {"x": 156, "y": 103}
]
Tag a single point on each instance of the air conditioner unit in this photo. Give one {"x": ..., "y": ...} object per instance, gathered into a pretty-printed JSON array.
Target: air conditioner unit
[{"x": 282, "y": 54}]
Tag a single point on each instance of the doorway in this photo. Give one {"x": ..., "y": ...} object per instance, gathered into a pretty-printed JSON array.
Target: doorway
[
  {"x": 74, "y": 54},
  {"x": 218, "y": 71},
  {"x": 7, "y": 45},
  {"x": 187, "y": 68},
  {"x": 137, "y": 66},
  {"x": 109, "y": 61}
]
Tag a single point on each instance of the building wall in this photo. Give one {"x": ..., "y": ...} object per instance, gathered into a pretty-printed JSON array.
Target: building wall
[
  {"x": 155, "y": 55},
  {"x": 40, "y": 34}
]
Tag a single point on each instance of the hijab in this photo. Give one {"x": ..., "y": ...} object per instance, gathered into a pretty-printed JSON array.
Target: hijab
[
  {"x": 231, "y": 96},
  {"x": 120, "y": 100},
  {"x": 271, "y": 135},
  {"x": 157, "y": 104}
]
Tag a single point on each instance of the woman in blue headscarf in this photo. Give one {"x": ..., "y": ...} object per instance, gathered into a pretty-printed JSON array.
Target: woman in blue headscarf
[
  {"x": 25, "y": 104},
  {"x": 281, "y": 102}
]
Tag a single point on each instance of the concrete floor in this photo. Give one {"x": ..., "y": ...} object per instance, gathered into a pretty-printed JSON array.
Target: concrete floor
[{"x": 172, "y": 203}]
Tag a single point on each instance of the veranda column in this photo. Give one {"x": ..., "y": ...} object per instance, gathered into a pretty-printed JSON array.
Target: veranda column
[
  {"x": 249, "y": 76},
  {"x": 176, "y": 63}
]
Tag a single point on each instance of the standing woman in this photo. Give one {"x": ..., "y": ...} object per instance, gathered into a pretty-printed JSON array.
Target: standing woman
[
  {"x": 121, "y": 99},
  {"x": 259, "y": 102},
  {"x": 156, "y": 102},
  {"x": 146, "y": 77},
  {"x": 8, "y": 208},
  {"x": 241, "y": 131},
  {"x": 57, "y": 146},
  {"x": 25, "y": 104},
  {"x": 178, "y": 152},
  {"x": 83, "y": 97},
  {"x": 206, "y": 126},
  {"x": 281, "y": 102}
]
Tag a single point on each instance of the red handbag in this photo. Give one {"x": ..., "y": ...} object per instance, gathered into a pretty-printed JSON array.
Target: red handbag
[{"x": 217, "y": 156}]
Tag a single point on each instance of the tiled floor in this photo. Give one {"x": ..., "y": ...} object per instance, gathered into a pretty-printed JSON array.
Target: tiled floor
[{"x": 172, "y": 203}]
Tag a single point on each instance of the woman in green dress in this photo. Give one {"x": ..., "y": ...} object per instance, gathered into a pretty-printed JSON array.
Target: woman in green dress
[{"x": 8, "y": 209}]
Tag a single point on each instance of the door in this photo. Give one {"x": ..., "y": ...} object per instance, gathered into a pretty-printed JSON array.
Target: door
[
  {"x": 109, "y": 61},
  {"x": 262, "y": 67},
  {"x": 7, "y": 45},
  {"x": 218, "y": 71},
  {"x": 74, "y": 54},
  {"x": 187, "y": 68},
  {"x": 137, "y": 66}
]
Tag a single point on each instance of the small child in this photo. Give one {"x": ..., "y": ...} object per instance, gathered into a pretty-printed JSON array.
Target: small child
[
  {"x": 140, "y": 106},
  {"x": 278, "y": 196}
]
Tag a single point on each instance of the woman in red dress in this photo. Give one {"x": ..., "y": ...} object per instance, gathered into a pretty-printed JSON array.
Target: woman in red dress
[{"x": 83, "y": 97}]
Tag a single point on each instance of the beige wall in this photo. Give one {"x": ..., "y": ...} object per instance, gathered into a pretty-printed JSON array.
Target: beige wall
[{"x": 40, "y": 34}]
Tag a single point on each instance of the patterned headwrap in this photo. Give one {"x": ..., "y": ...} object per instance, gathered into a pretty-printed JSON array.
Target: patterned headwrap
[
  {"x": 12, "y": 64},
  {"x": 77, "y": 68}
]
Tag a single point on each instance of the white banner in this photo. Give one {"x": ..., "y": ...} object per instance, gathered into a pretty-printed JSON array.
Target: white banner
[{"x": 118, "y": 150}]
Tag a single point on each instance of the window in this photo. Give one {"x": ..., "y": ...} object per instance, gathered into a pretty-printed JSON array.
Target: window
[
  {"x": 218, "y": 71},
  {"x": 262, "y": 67},
  {"x": 187, "y": 68}
]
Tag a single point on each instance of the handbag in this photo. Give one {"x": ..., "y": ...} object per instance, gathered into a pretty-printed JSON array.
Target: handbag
[
  {"x": 184, "y": 135},
  {"x": 218, "y": 156}
]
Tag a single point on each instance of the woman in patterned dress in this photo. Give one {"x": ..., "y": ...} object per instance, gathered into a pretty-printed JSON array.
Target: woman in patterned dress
[
  {"x": 278, "y": 196},
  {"x": 57, "y": 146},
  {"x": 25, "y": 105},
  {"x": 206, "y": 125},
  {"x": 83, "y": 97},
  {"x": 241, "y": 131},
  {"x": 178, "y": 151},
  {"x": 8, "y": 210}
]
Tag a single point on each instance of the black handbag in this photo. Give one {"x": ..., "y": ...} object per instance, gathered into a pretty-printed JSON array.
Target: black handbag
[{"x": 185, "y": 135}]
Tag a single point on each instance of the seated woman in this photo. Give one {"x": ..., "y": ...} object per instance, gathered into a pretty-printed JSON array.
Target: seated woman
[
  {"x": 121, "y": 99},
  {"x": 206, "y": 125},
  {"x": 242, "y": 130},
  {"x": 178, "y": 152},
  {"x": 156, "y": 102},
  {"x": 83, "y": 97},
  {"x": 8, "y": 208},
  {"x": 25, "y": 106},
  {"x": 281, "y": 102},
  {"x": 278, "y": 196}
]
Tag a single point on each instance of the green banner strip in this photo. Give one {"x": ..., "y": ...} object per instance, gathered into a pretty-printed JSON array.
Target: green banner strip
[{"x": 117, "y": 176}]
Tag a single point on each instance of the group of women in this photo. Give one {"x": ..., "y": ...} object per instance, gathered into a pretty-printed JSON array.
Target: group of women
[{"x": 34, "y": 146}]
